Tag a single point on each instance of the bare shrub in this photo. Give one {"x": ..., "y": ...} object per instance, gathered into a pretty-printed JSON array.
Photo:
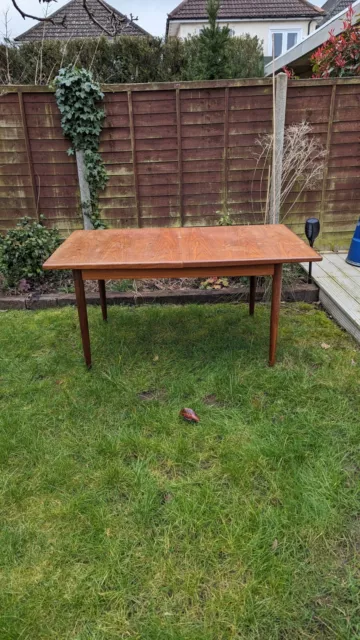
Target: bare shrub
[{"x": 304, "y": 162}]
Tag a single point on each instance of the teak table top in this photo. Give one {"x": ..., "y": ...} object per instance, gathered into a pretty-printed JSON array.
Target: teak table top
[{"x": 181, "y": 248}]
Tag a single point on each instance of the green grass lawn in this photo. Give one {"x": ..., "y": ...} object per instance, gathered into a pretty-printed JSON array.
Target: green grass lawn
[{"x": 119, "y": 520}]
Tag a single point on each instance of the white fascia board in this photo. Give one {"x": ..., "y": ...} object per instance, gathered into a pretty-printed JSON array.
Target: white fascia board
[{"x": 311, "y": 42}]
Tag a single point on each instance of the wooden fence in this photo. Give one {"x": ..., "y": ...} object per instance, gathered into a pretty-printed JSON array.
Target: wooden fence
[{"x": 181, "y": 154}]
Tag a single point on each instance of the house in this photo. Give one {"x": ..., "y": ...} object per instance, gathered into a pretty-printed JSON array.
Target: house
[
  {"x": 298, "y": 58},
  {"x": 286, "y": 22},
  {"x": 78, "y": 24},
  {"x": 332, "y": 8}
]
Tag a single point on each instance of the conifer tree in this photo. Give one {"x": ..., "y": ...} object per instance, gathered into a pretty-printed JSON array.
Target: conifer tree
[{"x": 213, "y": 40}]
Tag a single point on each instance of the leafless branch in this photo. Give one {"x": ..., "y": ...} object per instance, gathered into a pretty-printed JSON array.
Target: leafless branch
[
  {"x": 112, "y": 28},
  {"x": 303, "y": 163},
  {"x": 42, "y": 18},
  {"x": 114, "y": 20}
]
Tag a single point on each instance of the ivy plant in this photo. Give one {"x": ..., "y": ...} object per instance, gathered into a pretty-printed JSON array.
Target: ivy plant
[{"x": 78, "y": 98}]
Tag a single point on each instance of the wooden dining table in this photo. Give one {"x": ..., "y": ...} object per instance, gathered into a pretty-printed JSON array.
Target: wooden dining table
[{"x": 187, "y": 252}]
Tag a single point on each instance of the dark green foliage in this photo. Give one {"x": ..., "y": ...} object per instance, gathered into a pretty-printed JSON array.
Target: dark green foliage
[
  {"x": 245, "y": 58},
  {"x": 124, "y": 59},
  {"x": 77, "y": 96},
  {"x": 211, "y": 61},
  {"x": 24, "y": 250}
]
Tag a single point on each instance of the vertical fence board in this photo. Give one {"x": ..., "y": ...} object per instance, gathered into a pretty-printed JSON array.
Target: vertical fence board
[
  {"x": 328, "y": 147},
  {"x": 29, "y": 155},
  {"x": 179, "y": 150}
]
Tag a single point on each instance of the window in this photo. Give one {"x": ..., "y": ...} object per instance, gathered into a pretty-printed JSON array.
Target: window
[{"x": 283, "y": 40}]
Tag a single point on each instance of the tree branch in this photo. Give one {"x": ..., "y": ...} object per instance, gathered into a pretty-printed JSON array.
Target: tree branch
[
  {"x": 42, "y": 19},
  {"x": 115, "y": 20},
  {"x": 112, "y": 29}
]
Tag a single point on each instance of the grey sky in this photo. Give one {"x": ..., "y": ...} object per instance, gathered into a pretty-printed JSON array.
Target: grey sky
[{"x": 152, "y": 15}]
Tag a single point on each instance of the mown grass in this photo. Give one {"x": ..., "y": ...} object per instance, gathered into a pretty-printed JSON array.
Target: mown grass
[{"x": 119, "y": 520}]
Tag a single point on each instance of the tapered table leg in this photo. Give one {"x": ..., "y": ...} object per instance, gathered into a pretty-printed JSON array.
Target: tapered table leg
[
  {"x": 102, "y": 291},
  {"x": 252, "y": 294},
  {"x": 275, "y": 312},
  {"x": 83, "y": 318}
]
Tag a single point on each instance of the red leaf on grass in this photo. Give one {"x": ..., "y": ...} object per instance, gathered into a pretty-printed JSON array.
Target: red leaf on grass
[{"x": 189, "y": 415}]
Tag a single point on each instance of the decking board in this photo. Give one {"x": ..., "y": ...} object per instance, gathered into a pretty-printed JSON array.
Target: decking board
[{"x": 339, "y": 285}]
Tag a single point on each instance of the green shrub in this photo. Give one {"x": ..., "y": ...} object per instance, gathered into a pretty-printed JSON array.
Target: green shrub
[
  {"x": 124, "y": 59},
  {"x": 24, "y": 250}
]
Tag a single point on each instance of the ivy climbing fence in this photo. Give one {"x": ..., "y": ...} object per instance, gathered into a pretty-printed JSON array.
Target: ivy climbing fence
[{"x": 181, "y": 154}]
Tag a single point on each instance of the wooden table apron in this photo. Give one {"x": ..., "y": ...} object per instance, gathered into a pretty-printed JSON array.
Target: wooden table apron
[{"x": 185, "y": 253}]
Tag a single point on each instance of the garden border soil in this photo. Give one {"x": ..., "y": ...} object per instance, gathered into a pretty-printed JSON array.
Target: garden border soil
[{"x": 299, "y": 293}]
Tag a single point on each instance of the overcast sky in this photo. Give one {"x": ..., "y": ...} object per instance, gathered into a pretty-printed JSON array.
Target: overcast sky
[{"x": 152, "y": 15}]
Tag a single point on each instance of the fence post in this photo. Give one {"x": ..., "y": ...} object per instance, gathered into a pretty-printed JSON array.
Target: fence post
[
  {"x": 226, "y": 154},
  {"x": 134, "y": 158},
  {"x": 280, "y": 89},
  {"x": 84, "y": 191}
]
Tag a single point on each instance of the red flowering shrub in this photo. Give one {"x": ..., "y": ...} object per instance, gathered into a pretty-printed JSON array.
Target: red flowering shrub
[
  {"x": 339, "y": 56},
  {"x": 290, "y": 73}
]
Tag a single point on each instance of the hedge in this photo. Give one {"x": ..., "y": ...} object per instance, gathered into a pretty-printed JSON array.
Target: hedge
[{"x": 122, "y": 60}]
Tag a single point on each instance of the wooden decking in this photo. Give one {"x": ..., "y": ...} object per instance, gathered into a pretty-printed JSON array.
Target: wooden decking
[{"x": 339, "y": 285}]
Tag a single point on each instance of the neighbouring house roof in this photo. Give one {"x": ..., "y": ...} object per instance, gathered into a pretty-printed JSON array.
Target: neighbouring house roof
[
  {"x": 252, "y": 9},
  {"x": 333, "y": 7},
  {"x": 78, "y": 24}
]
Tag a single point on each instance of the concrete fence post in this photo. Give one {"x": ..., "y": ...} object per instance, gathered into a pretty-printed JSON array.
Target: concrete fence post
[
  {"x": 84, "y": 191},
  {"x": 280, "y": 88}
]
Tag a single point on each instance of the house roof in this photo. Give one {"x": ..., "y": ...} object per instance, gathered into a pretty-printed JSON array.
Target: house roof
[
  {"x": 252, "y": 9},
  {"x": 78, "y": 24},
  {"x": 333, "y": 7}
]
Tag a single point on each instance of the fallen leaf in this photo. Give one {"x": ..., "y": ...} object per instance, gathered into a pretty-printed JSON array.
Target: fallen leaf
[
  {"x": 189, "y": 415},
  {"x": 325, "y": 346},
  {"x": 156, "y": 359},
  {"x": 167, "y": 497},
  {"x": 275, "y": 545},
  {"x": 353, "y": 363}
]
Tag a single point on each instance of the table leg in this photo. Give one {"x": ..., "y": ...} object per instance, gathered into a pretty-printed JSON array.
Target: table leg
[
  {"x": 83, "y": 318},
  {"x": 102, "y": 291},
  {"x": 252, "y": 294},
  {"x": 275, "y": 312}
]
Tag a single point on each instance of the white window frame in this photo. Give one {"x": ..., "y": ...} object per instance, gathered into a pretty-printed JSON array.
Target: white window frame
[{"x": 285, "y": 33}]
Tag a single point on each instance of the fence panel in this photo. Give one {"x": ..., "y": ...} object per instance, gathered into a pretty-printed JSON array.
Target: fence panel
[{"x": 182, "y": 154}]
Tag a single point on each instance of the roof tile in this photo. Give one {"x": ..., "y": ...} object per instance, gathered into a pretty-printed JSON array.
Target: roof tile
[
  {"x": 78, "y": 24},
  {"x": 196, "y": 9}
]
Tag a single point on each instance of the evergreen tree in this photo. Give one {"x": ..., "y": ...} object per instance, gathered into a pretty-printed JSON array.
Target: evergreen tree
[{"x": 213, "y": 40}]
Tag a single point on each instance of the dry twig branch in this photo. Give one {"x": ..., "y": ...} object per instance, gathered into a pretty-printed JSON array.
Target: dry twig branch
[
  {"x": 303, "y": 163},
  {"x": 39, "y": 18},
  {"x": 112, "y": 29}
]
